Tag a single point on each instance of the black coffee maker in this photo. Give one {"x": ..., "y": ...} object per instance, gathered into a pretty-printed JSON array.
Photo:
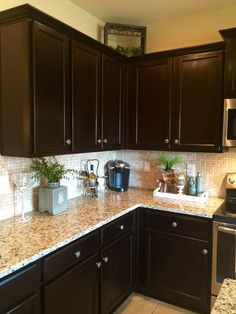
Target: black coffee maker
[{"x": 117, "y": 172}]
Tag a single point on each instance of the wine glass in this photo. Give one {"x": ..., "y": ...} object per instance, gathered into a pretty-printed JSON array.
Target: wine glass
[{"x": 22, "y": 181}]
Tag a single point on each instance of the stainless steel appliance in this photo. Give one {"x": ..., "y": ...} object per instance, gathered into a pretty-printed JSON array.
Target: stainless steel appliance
[
  {"x": 117, "y": 172},
  {"x": 229, "y": 125},
  {"x": 224, "y": 238}
]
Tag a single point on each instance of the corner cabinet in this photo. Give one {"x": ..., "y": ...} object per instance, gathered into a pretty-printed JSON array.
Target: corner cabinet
[
  {"x": 35, "y": 108},
  {"x": 176, "y": 103},
  {"x": 174, "y": 256},
  {"x": 97, "y": 100}
]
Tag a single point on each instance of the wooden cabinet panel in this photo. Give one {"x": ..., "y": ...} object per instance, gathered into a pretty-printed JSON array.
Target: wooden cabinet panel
[
  {"x": 174, "y": 266},
  {"x": 74, "y": 292},
  {"x": 149, "y": 92},
  {"x": 112, "y": 102},
  {"x": 52, "y": 112},
  {"x": 29, "y": 306},
  {"x": 197, "y": 104},
  {"x": 86, "y": 97},
  {"x": 116, "y": 273}
]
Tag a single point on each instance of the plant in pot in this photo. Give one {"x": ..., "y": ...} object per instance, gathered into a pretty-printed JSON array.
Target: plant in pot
[
  {"x": 53, "y": 198},
  {"x": 51, "y": 170},
  {"x": 168, "y": 161}
]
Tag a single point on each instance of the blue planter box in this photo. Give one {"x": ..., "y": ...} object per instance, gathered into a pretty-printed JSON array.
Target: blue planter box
[{"x": 53, "y": 201}]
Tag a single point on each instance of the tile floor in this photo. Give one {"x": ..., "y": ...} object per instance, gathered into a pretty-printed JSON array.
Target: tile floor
[{"x": 139, "y": 304}]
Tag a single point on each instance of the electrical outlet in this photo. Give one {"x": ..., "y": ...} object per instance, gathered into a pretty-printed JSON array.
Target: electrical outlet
[{"x": 191, "y": 170}]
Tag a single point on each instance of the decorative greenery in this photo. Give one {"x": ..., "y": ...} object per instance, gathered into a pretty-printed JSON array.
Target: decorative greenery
[
  {"x": 168, "y": 161},
  {"x": 128, "y": 51},
  {"x": 50, "y": 169}
]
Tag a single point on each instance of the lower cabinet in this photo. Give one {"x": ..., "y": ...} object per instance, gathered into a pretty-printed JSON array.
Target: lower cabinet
[
  {"x": 29, "y": 306},
  {"x": 74, "y": 292},
  {"x": 116, "y": 273},
  {"x": 174, "y": 259}
]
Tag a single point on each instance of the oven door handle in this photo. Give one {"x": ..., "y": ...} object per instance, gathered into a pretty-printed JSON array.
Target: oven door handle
[{"x": 227, "y": 230}]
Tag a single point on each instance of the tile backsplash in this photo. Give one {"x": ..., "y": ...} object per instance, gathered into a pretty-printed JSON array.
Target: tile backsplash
[{"x": 144, "y": 172}]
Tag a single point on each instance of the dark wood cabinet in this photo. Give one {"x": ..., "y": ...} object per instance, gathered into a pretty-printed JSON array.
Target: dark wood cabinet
[
  {"x": 116, "y": 272},
  {"x": 35, "y": 111},
  {"x": 229, "y": 36},
  {"x": 74, "y": 292},
  {"x": 176, "y": 103},
  {"x": 174, "y": 259},
  {"x": 20, "y": 291},
  {"x": 149, "y": 102},
  {"x": 86, "y": 65},
  {"x": 97, "y": 100},
  {"x": 112, "y": 103}
]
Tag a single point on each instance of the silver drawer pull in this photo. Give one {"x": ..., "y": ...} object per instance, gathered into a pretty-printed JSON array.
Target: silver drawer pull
[
  {"x": 105, "y": 259},
  {"x": 204, "y": 252},
  {"x": 77, "y": 254},
  {"x": 174, "y": 224},
  {"x": 166, "y": 141},
  {"x": 99, "y": 141},
  {"x": 68, "y": 141},
  {"x": 105, "y": 141},
  {"x": 121, "y": 227},
  {"x": 98, "y": 264}
]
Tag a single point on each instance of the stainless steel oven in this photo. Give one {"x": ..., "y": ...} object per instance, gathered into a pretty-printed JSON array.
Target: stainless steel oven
[
  {"x": 224, "y": 254},
  {"x": 229, "y": 125}
]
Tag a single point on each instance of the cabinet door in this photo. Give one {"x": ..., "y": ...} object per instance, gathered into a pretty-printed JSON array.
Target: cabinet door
[
  {"x": 197, "y": 102},
  {"x": 149, "y": 100},
  {"x": 30, "y": 306},
  {"x": 74, "y": 292},
  {"x": 52, "y": 111},
  {"x": 175, "y": 269},
  {"x": 116, "y": 273},
  {"x": 85, "y": 97},
  {"x": 112, "y": 103}
]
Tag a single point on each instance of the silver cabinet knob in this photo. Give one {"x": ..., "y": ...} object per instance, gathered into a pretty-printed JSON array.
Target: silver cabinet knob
[
  {"x": 105, "y": 141},
  {"x": 166, "y": 141},
  {"x": 176, "y": 141},
  {"x": 99, "y": 141},
  {"x": 204, "y": 251},
  {"x": 98, "y": 264},
  {"x": 174, "y": 224},
  {"x": 68, "y": 141},
  {"x": 77, "y": 254},
  {"x": 121, "y": 227},
  {"x": 105, "y": 259}
]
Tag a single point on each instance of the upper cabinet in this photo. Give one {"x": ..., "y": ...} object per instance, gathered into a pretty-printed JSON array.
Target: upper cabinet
[
  {"x": 97, "y": 99},
  {"x": 35, "y": 108},
  {"x": 62, "y": 92},
  {"x": 229, "y": 36},
  {"x": 175, "y": 103}
]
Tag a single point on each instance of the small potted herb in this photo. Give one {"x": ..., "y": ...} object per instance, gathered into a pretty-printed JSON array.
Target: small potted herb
[
  {"x": 52, "y": 199},
  {"x": 168, "y": 161},
  {"x": 51, "y": 170}
]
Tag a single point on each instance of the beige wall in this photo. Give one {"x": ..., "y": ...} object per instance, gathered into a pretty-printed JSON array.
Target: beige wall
[
  {"x": 189, "y": 31},
  {"x": 67, "y": 12}
]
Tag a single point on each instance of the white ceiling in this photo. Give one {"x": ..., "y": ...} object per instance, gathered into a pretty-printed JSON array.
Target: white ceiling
[{"x": 144, "y": 12}]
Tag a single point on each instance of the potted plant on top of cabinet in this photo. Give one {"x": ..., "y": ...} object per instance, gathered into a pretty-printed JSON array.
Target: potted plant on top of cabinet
[{"x": 53, "y": 198}]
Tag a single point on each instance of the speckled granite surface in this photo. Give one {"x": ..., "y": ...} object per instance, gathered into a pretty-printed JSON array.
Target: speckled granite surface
[
  {"x": 226, "y": 300},
  {"x": 23, "y": 243}
]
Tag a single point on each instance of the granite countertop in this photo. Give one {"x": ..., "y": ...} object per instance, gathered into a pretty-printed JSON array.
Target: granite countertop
[
  {"x": 23, "y": 243},
  {"x": 226, "y": 300}
]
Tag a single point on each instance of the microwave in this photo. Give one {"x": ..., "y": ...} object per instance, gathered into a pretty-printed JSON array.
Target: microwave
[{"x": 229, "y": 123}]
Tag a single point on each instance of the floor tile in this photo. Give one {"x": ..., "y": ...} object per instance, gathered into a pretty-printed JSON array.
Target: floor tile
[
  {"x": 137, "y": 304},
  {"x": 165, "y": 308}
]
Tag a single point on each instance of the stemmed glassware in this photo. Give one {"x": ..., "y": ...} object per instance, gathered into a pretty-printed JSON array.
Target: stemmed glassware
[{"x": 23, "y": 180}]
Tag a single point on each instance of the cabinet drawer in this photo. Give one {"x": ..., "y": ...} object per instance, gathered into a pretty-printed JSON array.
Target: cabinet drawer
[
  {"x": 66, "y": 257},
  {"x": 117, "y": 228},
  {"x": 19, "y": 286},
  {"x": 193, "y": 227}
]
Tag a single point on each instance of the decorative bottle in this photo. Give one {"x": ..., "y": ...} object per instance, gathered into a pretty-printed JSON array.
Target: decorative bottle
[
  {"x": 199, "y": 184},
  {"x": 191, "y": 187}
]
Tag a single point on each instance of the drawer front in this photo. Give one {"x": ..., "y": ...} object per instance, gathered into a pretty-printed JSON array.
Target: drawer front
[
  {"x": 70, "y": 255},
  {"x": 181, "y": 224},
  {"x": 117, "y": 228},
  {"x": 19, "y": 286}
]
